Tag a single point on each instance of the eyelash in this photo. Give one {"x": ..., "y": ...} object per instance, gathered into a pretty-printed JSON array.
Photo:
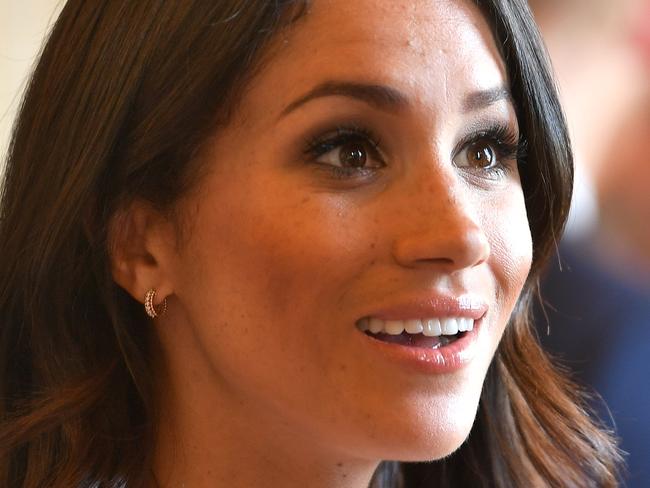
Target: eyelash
[
  {"x": 505, "y": 142},
  {"x": 339, "y": 137}
]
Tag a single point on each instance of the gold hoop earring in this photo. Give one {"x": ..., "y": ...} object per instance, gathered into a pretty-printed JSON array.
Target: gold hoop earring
[{"x": 149, "y": 306}]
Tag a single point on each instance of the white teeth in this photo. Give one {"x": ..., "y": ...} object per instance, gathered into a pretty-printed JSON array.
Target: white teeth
[
  {"x": 461, "y": 325},
  {"x": 465, "y": 324},
  {"x": 449, "y": 326},
  {"x": 432, "y": 327},
  {"x": 394, "y": 327},
  {"x": 413, "y": 326},
  {"x": 376, "y": 326}
]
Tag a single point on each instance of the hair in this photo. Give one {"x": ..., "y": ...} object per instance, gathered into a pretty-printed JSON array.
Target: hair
[{"x": 118, "y": 106}]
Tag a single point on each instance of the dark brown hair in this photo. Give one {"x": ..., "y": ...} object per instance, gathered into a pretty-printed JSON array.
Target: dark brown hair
[{"x": 123, "y": 97}]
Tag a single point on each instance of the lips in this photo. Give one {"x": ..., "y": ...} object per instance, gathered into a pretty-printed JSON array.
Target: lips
[{"x": 438, "y": 334}]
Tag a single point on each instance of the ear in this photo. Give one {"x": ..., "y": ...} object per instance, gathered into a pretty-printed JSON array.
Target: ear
[{"x": 142, "y": 243}]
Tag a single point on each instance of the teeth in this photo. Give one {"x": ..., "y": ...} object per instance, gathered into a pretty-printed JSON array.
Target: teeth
[
  {"x": 462, "y": 326},
  {"x": 465, "y": 325},
  {"x": 394, "y": 327},
  {"x": 413, "y": 326},
  {"x": 449, "y": 326},
  {"x": 376, "y": 326},
  {"x": 432, "y": 327}
]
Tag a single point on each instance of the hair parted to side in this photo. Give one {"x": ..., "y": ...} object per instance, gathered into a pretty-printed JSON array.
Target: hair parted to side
[{"x": 120, "y": 102}]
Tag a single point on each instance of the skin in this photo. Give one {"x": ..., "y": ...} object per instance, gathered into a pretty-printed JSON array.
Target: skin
[{"x": 264, "y": 378}]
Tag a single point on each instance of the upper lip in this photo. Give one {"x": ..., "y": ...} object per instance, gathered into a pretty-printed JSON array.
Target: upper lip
[{"x": 433, "y": 305}]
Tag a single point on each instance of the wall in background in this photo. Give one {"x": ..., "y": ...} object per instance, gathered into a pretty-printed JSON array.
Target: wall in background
[{"x": 23, "y": 27}]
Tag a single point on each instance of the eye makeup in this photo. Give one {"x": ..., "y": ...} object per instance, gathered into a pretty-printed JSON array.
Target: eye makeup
[
  {"x": 489, "y": 151},
  {"x": 346, "y": 151},
  {"x": 496, "y": 144}
]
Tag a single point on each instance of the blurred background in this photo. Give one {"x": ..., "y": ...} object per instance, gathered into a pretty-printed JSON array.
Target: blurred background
[
  {"x": 596, "y": 320},
  {"x": 23, "y": 26}
]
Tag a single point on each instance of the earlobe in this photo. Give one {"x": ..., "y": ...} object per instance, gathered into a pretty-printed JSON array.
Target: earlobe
[{"x": 141, "y": 243}]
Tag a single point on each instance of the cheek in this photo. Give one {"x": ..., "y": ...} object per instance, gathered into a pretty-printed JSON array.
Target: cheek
[
  {"x": 266, "y": 300},
  {"x": 264, "y": 264},
  {"x": 511, "y": 249},
  {"x": 295, "y": 250}
]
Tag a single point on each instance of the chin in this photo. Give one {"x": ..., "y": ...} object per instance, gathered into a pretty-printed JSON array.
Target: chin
[
  {"x": 443, "y": 431},
  {"x": 435, "y": 447},
  {"x": 430, "y": 438}
]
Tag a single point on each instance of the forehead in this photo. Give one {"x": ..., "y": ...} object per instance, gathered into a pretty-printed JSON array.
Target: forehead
[
  {"x": 436, "y": 51},
  {"x": 413, "y": 26}
]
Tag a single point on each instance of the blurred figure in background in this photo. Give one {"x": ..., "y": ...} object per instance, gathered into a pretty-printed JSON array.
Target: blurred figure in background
[{"x": 597, "y": 318}]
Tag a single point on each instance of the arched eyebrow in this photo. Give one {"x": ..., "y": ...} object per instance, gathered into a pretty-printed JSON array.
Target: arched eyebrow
[
  {"x": 484, "y": 98},
  {"x": 379, "y": 96},
  {"x": 390, "y": 99}
]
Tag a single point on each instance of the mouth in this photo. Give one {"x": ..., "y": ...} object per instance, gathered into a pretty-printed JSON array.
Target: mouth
[{"x": 428, "y": 333}]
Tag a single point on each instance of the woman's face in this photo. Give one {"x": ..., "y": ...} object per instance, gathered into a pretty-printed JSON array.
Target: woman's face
[{"x": 366, "y": 180}]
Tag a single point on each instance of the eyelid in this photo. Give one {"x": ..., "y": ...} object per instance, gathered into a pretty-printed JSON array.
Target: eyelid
[
  {"x": 508, "y": 147},
  {"x": 505, "y": 141},
  {"x": 338, "y": 132},
  {"x": 501, "y": 134},
  {"x": 330, "y": 140}
]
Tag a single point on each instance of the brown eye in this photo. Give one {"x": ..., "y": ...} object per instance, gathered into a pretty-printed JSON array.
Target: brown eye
[
  {"x": 480, "y": 154},
  {"x": 350, "y": 153},
  {"x": 353, "y": 155},
  {"x": 489, "y": 154}
]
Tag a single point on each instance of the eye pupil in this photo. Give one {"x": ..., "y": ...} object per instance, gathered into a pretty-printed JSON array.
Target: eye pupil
[
  {"x": 481, "y": 155},
  {"x": 353, "y": 155}
]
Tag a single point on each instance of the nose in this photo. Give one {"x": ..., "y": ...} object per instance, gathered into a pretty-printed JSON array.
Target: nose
[{"x": 441, "y": 230}]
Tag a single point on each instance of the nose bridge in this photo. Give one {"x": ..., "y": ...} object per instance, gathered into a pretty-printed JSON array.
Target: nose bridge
[{"x": 443, "y": 225}]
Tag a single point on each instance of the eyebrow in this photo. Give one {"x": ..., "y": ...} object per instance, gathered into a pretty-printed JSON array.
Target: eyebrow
[
  {"x": 390, "y": 99},
  {"x": 379, "y": 96},
  {"x": 484, "y": 98}
]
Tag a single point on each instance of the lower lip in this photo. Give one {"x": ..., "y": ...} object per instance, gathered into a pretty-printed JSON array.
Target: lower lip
[{"x": 446, "y": 359}]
